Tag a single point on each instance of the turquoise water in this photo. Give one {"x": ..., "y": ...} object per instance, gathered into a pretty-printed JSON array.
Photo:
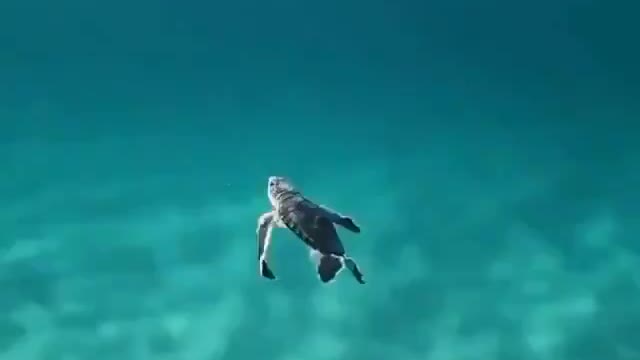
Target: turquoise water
[{"x": 488, "y": 150}]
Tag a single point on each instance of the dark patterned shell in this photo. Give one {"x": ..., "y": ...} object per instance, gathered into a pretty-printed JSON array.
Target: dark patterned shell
[{"x": 305, "y": 219}]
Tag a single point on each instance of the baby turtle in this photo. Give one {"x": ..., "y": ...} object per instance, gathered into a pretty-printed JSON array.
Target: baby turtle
[{"x": 312, "y": 223}]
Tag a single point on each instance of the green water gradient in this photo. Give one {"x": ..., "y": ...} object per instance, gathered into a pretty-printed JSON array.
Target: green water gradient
[{"x": 489, "y": 150}]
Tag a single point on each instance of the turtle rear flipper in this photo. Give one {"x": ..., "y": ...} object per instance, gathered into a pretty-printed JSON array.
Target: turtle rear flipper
[
  {"x": 329, "y": 267},
  {"x": 353, "y": 267}
]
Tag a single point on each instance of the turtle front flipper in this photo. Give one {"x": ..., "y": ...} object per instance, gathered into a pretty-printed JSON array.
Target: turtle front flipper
[
  {"x": 337, "y": 218},
  {"x": 348, "y": 223},
  {"x": 263, "y": 233},
  {"x": 265, "y": 271}
]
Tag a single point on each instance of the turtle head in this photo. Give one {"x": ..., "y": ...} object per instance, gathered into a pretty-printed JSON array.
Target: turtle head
[{"x": 278, "y": 185}]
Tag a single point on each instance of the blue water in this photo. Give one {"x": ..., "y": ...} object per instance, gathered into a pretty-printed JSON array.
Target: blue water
[{"x": 489, "y": 150}]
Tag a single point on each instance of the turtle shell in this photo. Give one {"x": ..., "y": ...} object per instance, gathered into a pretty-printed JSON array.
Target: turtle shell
[{"x": 306, "y": 220}]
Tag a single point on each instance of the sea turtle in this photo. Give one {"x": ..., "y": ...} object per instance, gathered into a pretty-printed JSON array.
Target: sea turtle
[{"x": 312, "y": 223}]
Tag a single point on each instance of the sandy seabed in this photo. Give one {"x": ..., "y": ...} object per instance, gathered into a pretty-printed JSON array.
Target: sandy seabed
[{"x": 111, "y": 267}]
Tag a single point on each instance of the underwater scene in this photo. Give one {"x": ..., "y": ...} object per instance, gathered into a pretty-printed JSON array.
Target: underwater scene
[{"x": 486, "y": 150}]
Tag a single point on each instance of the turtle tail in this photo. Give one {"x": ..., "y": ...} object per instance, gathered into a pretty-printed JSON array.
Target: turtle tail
[{"x": 330, "y": 265}]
